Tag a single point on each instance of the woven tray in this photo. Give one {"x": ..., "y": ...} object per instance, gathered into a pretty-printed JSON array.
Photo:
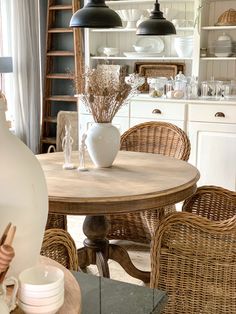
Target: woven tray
[{"x": 157, "y": 69}]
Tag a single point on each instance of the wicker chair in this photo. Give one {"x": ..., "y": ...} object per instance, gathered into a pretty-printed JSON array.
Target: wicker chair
[
  {"x": 59, "y": 246},
  {"x": 150, "y": 137},
  {"x": 212, "y": 202},
  {"x": 56, "y": 220},
  {"x": 194, "y": 260}
]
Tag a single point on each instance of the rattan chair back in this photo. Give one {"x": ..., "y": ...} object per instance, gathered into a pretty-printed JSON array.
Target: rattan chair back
[
  {"x": 193, "y": 259},
  {"x": 149, "y": 137},
  {"x": 157, "y": 138},
  {"x": 59, "y": 246},
  {"x": 212, "y": 202}
]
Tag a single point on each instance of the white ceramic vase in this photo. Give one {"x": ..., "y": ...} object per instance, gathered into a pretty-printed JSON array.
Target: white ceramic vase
[
  {"x": 23, "y": 197},
  {"x": 103, "y": 144}
]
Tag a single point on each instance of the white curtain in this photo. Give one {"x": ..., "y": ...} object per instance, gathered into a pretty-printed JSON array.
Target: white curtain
[{"x": 21, "y": 30}]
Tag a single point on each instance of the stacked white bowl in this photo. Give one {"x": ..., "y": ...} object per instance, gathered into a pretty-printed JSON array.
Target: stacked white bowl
[
  {"x": 130, "y": 16},
  {"x": 223, "y": 46},
  {"x": 41, "y": 290},
  {"x": 184, "y": 46},
  {"x": 234, "y": 47}
]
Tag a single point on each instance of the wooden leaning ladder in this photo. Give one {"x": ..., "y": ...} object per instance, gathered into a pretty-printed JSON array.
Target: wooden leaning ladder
[{"x": 52, "y": 102}]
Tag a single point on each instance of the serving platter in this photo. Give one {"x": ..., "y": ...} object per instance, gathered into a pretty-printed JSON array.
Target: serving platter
[
  {"x": 134, "y": 54},
  {"x": 156, "y": 44}
]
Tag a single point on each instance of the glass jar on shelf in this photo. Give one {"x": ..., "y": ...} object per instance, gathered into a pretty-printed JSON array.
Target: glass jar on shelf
[
  {"x": 192, "y": 88},
  {"x": 179, "y": 86},
  {"x": 157, "y": 86},
  {"x": 211, "y": 89}
]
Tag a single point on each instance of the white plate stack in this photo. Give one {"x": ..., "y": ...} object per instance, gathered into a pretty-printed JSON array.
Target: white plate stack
[
  {"x": 234, "y": 47},
  {"x": 223, "y": 46},
  {"x": 41, "y": 290},
  {"x": 184, "y": 46}
]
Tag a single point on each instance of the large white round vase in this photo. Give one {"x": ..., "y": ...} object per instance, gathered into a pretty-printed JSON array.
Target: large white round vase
[
  {"x": 23, "y": 197},
  {"x": 103, "y": 144}
]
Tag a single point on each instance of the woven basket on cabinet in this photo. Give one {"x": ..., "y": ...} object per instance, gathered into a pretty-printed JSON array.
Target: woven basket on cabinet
[{"x": 228, "y": 18}]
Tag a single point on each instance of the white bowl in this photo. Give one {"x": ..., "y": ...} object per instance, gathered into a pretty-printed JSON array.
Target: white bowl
[
  {"x": 110, "y": 51},
  {"x": 223, "y": 54},
  {"x": 39, "y": 301},
  {"x": 40, "y": 294},
  {"x": 41, "y": 278},
  {"x": 184, "y": 46},
  {"x": 141, "y": 48},
  {"x": 184, "y": 51},
  {"x": 131, "y": 16},
  {"x": 45, "y": 309},
  {"x": 184, "y": 39}
]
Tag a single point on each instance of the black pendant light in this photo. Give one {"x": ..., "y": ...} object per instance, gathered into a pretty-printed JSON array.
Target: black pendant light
[
  {"x": 156, "y": 24},
  {"x": 95, "y": 14}
]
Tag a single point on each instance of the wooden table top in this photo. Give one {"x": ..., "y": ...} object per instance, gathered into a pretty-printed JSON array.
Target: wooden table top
[{"x": 135, "y": 182}]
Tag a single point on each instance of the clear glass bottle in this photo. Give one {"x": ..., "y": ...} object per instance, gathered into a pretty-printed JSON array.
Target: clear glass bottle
[{"x": 192, "y": 88}]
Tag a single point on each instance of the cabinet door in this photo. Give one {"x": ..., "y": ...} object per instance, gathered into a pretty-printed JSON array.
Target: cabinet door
[
  {"x": 213, "y": 152},
  {"x": 179, "y": 123}
]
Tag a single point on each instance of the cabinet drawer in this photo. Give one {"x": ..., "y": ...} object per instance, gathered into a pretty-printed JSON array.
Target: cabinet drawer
[
  {"x": 157, "y": 111},
  {"x": 212, "y": 113}
]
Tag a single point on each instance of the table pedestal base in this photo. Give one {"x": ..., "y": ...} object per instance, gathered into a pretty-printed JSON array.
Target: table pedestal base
[{"x": 97, "y": 250}]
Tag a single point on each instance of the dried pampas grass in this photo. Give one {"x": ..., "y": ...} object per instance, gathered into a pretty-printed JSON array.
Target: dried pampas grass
[{"x": 104, "y": 92}]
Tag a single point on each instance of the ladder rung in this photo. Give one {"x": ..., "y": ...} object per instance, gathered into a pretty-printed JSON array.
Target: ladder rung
[
  {"x": 61, "y": 30},
  {"x": 60, "y": 53},
  {"x": 60, "y": 7},
  {"x": 64, "y": 76},
  {"x": 48, "y": 140},
  {"x": 50, "y": 119},
  {"x": 62, "y": 98}
]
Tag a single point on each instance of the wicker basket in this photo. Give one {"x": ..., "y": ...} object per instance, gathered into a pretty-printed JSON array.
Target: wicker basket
[{"x": 227, "y": 18}]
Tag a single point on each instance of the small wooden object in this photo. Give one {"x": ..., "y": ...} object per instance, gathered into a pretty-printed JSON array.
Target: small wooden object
[{"x": 6, "y": 250}]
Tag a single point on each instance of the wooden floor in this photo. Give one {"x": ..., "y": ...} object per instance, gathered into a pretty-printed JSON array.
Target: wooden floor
[{"x": 139, "y": 253}]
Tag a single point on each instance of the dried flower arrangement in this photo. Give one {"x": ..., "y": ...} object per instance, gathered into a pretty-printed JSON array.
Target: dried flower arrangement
[{"x": 104, "y": 92}]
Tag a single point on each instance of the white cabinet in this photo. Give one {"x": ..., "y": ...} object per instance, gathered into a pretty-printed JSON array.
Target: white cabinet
[
  {"x": 213, "y": 144},
  {"x": 144, "y": 110}
]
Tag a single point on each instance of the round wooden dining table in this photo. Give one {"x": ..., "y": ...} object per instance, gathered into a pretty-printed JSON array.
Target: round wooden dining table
[{"x": 135, "y": 182}]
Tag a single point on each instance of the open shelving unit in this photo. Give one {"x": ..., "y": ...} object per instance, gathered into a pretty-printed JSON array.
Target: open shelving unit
[
  {"x": 125, "y": 38},
  {"x": 204, "y": 14},
  {"x": 222, "y": 68}
]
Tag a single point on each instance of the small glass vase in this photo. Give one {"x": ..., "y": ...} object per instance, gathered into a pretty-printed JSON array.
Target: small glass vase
[{"x": 103, "y": 144}]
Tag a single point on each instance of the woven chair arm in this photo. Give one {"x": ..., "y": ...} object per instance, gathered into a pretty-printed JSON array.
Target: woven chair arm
[
  {"x": 225, "y": 227},
  {"x": 55, "y": 243}
]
